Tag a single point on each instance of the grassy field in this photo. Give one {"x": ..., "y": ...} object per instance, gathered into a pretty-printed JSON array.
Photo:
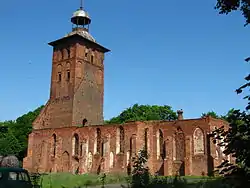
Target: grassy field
[
  {"x": 59, "y": 180},
  {"x": 66, "y": 180}
]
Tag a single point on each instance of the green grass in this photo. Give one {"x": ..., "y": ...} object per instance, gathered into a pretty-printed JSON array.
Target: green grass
[
  {"x": 67, "y": 180},
  {"x": 59, "y": 180}
]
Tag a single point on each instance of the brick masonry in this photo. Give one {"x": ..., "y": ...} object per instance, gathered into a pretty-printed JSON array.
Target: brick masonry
[{"x": 58, "y": 144}]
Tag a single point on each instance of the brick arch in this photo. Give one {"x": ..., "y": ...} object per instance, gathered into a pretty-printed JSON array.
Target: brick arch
[
  {"x": 120, "y": 139},
  {"x": 179, "y": 151},
  {"x": 75, "y": 144},
  {"x": 179, "y": 144},
  {"x": 92, "y": 57},
  {"x": 78, "y": 69},
  {"x": 68, "y": 65},
  {"x": 83, "y": 147},
  {"x": 59, "y": 68},
  {"x": 159, "y": 142},
  {"x": 65, "y": 53},
  {"x": 198, "y": 141},
  {"x": 59, "y": 55}
]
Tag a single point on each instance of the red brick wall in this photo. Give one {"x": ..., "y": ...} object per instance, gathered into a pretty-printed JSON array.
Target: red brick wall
[{"x": 190, "y": 165}]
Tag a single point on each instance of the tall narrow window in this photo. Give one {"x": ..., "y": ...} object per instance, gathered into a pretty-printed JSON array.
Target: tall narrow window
[
  {"x": 198, "y": 138},
  {"x": 120, "y": 140},
  {"x": 54, "y": 145},
  {"x": 92, "y": 58},
  {"x": 75, "y": 144},
  {"x": 98, "y": 140},
  {"x": 160, "y": 145},
  {"x": 81, "y": 149},
  {"x": 68, "y": 52},
  {"x": 102, "y": 149},
  {"x": 86, "y": 54},
  {"x": 180, "y": 145},
  {"x": 59, "y": 76},
  {"x": 62, "y": 54},
  {"x": 68, "y": 75}
]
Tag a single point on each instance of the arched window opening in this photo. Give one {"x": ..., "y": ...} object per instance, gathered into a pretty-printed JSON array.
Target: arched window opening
[
  {"x": 59, "y": 76},
  {"x": 160, "y": 144},
  {"x": 120, "y": 140},
  {"x": 59, "y": 72},
  {"x": 62, "y": 55},
  {"x": 75, "y": 144},
  {"x": 84, "y": 148},
  {"x": 180, "y": 145},
  {"x": 198, "y": 138},
  {"x": 92, "y": 58},
  {"x": 98, "y": 140},
  {"x": 54, "y": 145},
  {"x": 68, "y": 75}
]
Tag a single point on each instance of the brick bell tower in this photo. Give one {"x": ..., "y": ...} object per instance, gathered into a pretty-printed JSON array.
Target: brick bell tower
[{"x": 77, "y": 80}]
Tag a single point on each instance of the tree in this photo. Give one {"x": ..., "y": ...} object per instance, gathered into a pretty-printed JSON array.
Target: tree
[
  {"x": 237, "y": 138},
  {"x": 18, "y": 131},
  {"x": 9, "y": 145},
  {"x": 144, "y": 113},
  {"x": 210, "y": 113},
  {"x": 227, "y": 6},
  {"x": 228, "y": 116},
  {"x": 215, "y": 115},
  {"x": 22, "y": 128},
  {"x": 140, "y": 173},
  {"x": 237, "y": 143}
]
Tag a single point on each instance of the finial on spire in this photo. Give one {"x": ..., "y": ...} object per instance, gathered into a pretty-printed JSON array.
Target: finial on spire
[{"x": 81, "y": 4}]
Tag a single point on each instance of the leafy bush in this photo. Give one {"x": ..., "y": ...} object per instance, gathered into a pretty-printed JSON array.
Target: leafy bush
[{"x": 140, "y": 173}]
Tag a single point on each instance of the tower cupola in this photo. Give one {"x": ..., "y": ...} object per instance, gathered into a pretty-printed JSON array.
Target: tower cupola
[{"x": 80, "y": 19}]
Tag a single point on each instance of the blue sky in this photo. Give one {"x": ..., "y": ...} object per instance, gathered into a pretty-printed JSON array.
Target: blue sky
[{"x": 177, "y": 53}]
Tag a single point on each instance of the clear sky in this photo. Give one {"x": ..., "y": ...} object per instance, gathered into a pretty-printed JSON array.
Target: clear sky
[{"x": 177, "y": 53}]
